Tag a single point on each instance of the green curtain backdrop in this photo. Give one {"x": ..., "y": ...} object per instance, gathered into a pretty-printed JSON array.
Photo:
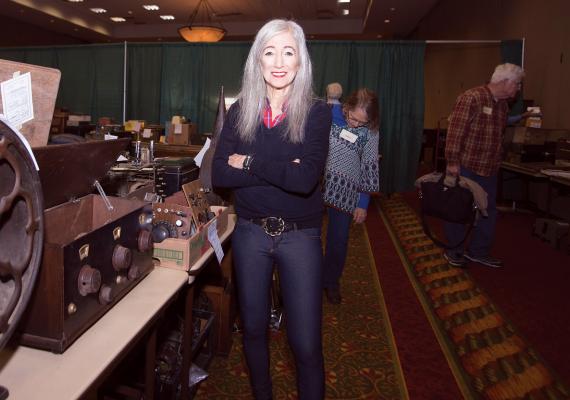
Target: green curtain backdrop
[
  {"x": 395, "y": 70},
  {"x": 184, "y": 79},
  {"x": 91, "y": 76}
]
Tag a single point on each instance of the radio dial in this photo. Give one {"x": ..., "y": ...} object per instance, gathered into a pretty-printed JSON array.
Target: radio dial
[
  {"x": 145, "y": 241},
  {"x": 106, "y": 294},
  {"x": 122, "y": 257},
  {"x": 89, "y": 280},
  {"x": 134, "y": 272}
]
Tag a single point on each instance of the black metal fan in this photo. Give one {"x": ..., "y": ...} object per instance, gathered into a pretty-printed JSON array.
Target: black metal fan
[{"x": 21, "y": 230}]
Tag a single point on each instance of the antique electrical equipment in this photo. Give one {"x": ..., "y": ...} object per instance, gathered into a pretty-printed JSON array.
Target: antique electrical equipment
[
  {"x": 96, "y": 247},
  {"x": 173, "y": 172},
  {"x": 21, "y": 229}
]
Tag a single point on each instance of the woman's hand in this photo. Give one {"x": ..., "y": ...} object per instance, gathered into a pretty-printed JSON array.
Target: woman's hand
[
  {"x": 359, "y": 215},
  {"x": 236, "y": 160}
]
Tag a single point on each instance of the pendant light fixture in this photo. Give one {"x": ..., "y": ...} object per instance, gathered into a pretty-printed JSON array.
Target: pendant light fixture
[{"x": 196, "y": 31}]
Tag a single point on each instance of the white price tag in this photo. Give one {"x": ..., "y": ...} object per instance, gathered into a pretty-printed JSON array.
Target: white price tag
[{"x": 215, "y": 241}]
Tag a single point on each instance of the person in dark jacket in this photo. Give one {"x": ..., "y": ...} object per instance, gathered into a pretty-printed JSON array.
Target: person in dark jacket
[{"x": 272, "y": 153}]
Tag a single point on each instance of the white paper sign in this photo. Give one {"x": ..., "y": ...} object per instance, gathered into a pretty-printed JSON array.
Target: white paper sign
[
  {"x": 17, "y": 99},
  {"x": 215, "y": 241},
  {"x": 178, "y": 129},
  {"x": 200, "y": 155},
  {"x": 147, "y": 133}
]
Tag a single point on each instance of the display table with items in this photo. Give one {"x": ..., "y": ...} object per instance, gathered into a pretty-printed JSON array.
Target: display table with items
[
  {"x": 37, "y": 374},
  {"x": 536, "y": 169}
]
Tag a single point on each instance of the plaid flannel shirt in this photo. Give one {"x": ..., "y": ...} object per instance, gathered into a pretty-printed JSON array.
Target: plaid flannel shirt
[
  {"x": 268, "y": 120},
  {"x": 475, "y": 131}
]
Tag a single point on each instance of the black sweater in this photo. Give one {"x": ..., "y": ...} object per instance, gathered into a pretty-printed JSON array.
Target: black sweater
[{"x": 275, "y": 186}]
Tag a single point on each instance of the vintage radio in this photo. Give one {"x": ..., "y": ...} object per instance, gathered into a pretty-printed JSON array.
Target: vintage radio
[
  {"x": 173, "y": 172},
  {"x": 96, "y": 247}
]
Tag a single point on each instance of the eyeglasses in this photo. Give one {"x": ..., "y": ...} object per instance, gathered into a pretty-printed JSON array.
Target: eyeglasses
[{"x": 355, "y": 122}]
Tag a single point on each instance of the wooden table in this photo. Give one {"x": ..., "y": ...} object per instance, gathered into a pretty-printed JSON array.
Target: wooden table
[{"x": 534, "y": 172}]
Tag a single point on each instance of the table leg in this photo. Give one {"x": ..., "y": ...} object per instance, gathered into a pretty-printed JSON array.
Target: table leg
[
  {"x": 187, "y": 343},
  {"x": 150, "y": 364}
]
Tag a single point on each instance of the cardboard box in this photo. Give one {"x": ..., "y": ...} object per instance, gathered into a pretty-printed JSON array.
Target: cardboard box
[
  {"x": 523, "y": 134},
  {"x": 182, "y": 254},
  {"x": 180, "y": 133},
  {"x": 534, "y": 122},
  {"x": 78, "y": 119},
  {"x": 134, "y": 125},
  {"x": 150, "y": 132}
]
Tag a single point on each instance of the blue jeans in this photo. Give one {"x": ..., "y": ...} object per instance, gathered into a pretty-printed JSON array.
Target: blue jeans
[
  {"x": 298, "y": 257},
  {"x": 336, "y": 247},
  {"x": 483, "y": 232}
]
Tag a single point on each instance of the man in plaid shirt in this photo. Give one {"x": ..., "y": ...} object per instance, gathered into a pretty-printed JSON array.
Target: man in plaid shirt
[{"x": 474, "y": 149}]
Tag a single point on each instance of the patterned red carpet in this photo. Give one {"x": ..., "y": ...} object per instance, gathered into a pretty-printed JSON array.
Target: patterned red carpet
[
  {"x": 487, "y": 355},
  {"x": 419, "y": 329},
  {"x": 360, "y": 357}
]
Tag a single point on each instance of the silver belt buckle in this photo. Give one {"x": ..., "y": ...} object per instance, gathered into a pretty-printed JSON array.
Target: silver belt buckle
[{"x": 273, "y": 226}]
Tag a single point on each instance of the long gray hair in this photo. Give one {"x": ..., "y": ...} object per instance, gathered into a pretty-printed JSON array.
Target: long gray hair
[{"x": 254, "y": 92}]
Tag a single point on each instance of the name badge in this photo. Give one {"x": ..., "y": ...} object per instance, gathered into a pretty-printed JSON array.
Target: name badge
[
  {"x": 346, "y": 135},
  {"x": 487, "y": 110}
]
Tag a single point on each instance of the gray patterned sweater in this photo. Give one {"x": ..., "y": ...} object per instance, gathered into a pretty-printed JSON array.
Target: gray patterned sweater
[{"x": 351, "y": 168}]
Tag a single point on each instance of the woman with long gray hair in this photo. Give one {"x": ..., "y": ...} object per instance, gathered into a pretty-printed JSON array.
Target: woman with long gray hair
[{"x": 272, "y": 153}]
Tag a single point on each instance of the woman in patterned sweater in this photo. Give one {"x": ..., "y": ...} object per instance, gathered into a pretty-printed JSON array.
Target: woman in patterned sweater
[{"x": 350, "y": 175}]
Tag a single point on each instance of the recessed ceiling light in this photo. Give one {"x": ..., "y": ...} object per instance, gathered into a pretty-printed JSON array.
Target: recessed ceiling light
[
  {"x": 345, "y": 11},
  {"x": 75, "y": 1},
  {"x": 118, "y": 19},
  {"x": 386, "y": 21},
  {"x": 167, "y": 17},
  {"x": 392, "y": 8},
  {"x": 98, "y": 10},
  {"x": 151, "y": 7},
  {"x": 343, "y": 1}
]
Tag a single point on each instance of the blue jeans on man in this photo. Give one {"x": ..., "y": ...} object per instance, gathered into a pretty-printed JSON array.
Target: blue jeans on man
[
  {"x": 297, "y": 254},
  {"x": 483, "y": 233}
]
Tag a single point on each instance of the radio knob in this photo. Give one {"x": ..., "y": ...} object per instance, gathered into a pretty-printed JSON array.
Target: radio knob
[
  {"x": 134, "y": 272},
  {"x": 106, "y": 294},
  {"x": 145, "y": 241},
  {"x": 122, "y": 257},
  {"x": 89, "y": 280}
]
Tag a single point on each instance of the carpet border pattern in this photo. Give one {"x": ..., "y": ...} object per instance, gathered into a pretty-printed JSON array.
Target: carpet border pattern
[{"x": 488, "y": 357}]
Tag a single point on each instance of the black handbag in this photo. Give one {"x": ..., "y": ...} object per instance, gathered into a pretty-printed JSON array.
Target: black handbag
[{"x": 449, "y": 203}]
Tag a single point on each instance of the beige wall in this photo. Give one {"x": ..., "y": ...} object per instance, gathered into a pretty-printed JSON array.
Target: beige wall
[{"x": 451, "y": 69}]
